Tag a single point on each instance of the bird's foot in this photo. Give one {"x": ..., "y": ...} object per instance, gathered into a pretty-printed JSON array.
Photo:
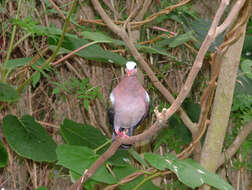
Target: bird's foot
[{"x": 121, "y": 134}]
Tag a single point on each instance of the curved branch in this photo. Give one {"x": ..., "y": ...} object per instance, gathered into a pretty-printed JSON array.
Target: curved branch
[
  {"x": 231, "y": 16},
  {"x": 233, "y": 148}
]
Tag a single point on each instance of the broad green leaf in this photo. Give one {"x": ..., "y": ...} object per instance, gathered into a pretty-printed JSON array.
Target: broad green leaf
[
  {"x": 246, "y": 67},
  {"x": 120, "y": 158},
  {"x": 138, "y": 157},
  {"x": 8, "y": 93},
  {"x": 93, "y": 52},
  {"x": 209, "y": 177},
  {"x": 156, "y": 161},
  {"x": 188, "y": 171},
  {"x": 86, "y": 135},
  {"x": 181, "y": 39},
  {"x": 186, "y": 174},
  {"x": 81, "y": 134},
  {"x": 76, "y": 158},
  {"x": 3, "y": 155},
  {"x": 80, "y": 158},
  {"x": 29, "y": 139}
]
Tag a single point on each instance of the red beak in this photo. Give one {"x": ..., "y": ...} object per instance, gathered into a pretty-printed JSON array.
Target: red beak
[{"x": 128, "y": 73}]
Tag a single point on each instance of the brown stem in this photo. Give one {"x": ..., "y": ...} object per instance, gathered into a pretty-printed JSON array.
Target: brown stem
[{"x": 232, "y": 149}]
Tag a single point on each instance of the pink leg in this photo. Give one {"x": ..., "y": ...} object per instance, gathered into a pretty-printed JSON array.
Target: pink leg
[{"x": 122, "y": 134}]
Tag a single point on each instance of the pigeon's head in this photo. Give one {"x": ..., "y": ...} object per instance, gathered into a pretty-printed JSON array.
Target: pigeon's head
[{"x": 131, "y": 68}]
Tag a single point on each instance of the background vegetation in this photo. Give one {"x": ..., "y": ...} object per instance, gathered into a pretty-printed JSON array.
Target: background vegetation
[{"x": 58, "y": 63}]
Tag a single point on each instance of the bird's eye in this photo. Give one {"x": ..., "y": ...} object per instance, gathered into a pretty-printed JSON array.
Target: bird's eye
[{"x": 135, "y": 67}]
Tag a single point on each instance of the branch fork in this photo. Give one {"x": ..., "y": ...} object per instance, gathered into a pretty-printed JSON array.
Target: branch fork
[{"x": 163, "y": 116}]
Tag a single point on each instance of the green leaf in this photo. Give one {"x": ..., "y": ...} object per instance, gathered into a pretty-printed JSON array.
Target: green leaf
[
  {"x": 200, "y": 28},
  {"x": 29, "y": 139},
  {"x": 156, "y": 161},
  {"x": 188, "y": 171},
  {"x": 42, "y": 188},
  {"x": 35, "y": 79},
  {"x": 138, "y": 157},
  {"x": 81, "y": 134},
  {"x": 76, "y": 158},
  {"x": 56, "y": 90},
  {"x": 79, "y": 158},
  {"x": 8, "y": 93},
  {"x": 3, "y": 155},
  {"x": 120, "y": 158},
  {"x": 99, "y": 36},
  {"x": 209, "y": 177},
  {"x": 154, "y": 50},
  {"x": 93, "y": 52},
  {"x": 96, "y": 36},
  {"x": 246, "y": 67},
  {"x": 181, "y": 39},
  {"x": 186, "y": 174},
  {"x": 86, "y": 104},
  {"x": 19, "y": 62}
]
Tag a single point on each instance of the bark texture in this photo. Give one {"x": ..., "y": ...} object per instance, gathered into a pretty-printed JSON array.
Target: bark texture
[{"x": 212, "y": 148}]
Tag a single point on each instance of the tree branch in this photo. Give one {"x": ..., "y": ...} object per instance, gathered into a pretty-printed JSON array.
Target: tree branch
[
  {"x": 231, "y": 16},
  {"x": 166, "y": 113},
  {"x": 122, "y": 33},
  {"x": 233, "y": 148}
]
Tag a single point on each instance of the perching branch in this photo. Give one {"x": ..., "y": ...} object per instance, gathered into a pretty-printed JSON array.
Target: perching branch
[
  {"x": 166, "y": 113},
  {"x": 120, "y": 31},
  {"x": 232, "y": 149}
]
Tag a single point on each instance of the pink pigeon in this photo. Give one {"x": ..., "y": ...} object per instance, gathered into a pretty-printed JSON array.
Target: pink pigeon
[{"x": 130, "y": 104}]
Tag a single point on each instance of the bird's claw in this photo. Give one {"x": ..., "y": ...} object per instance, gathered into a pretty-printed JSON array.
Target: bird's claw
[{"x": 121, "y": 134}]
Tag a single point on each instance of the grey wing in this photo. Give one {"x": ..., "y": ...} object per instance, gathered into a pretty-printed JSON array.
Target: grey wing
[
  {"x": 147, "y": 103},
  {"x": 111, "y": 111}
]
